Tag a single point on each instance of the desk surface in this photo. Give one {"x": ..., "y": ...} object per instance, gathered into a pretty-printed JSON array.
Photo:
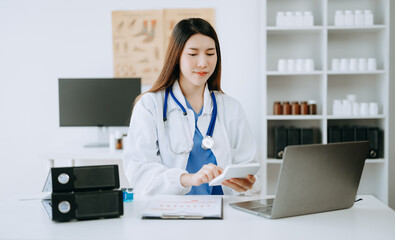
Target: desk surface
[{"x": 368, "y": 219}]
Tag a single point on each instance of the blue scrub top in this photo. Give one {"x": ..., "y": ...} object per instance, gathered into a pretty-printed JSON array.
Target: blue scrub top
[{"x": 199, "y": 157}]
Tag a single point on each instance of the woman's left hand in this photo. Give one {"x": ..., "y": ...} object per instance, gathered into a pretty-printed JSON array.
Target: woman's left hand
[{"x": 240, "y": 184}]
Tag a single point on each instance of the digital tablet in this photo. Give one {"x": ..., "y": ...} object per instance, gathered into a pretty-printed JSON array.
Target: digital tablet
[{"x": 236, "y": 171}]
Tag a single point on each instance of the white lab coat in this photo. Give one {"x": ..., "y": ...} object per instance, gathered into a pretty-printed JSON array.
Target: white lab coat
[{"x": 150, "y": 163}]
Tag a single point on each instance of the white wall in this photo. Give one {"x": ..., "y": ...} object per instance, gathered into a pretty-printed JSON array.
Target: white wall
[
  {"x": 41, "y": 41},
  {"x": 391, "y": 184}
]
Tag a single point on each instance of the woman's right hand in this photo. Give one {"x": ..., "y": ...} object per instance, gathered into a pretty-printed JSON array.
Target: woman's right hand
[{"x": 204, "y": 175}]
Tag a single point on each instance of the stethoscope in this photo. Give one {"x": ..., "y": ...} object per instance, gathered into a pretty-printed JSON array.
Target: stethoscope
[{"x": 208, "y": 141}]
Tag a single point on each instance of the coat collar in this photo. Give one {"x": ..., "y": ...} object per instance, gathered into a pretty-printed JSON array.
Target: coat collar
[{"x": 207, "y": 105}]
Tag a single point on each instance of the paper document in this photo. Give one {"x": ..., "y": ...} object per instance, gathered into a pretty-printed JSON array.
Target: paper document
[{"x": 184, "y": 207}]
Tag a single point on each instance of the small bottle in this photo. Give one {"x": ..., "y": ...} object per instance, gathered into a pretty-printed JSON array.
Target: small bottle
[
  {"x": 118, "y": 140},
  {"x": 289, "y": 19},
  {"x": 295, "y": 108},
  {"x": 312, "y": 107},
  {"x": 339, "y": 18},
  {"x": 298, "y": 19},
  {"x": 346, "y": 108},
  {"x": 335, "y": 64},
  {"x": 348, "y": 18},
  {"x": 308, "y": 19},
  {"x": 337, "y": 107},
  {"x": 304, "y": 108},
  {"x": 368, "y": 18},
  {"x": 286, "y": 108},
  {"x": 358, "y": 18},
  {"x": 280, "y": 19},
  {"x": 282, "y": 65},
  {"x": 353, "y": 64},
  {"x": 362, "y": 64},
  {"x": 277, "y": 108}
]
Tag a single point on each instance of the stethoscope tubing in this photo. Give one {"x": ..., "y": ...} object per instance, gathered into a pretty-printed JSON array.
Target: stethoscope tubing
[{"x": 210, "y": 129}]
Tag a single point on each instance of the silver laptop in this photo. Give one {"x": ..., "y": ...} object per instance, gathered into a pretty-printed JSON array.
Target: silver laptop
[{"x": 313, "y": 178}]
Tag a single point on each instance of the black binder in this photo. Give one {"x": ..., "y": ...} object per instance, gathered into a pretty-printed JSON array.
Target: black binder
[
  {"x": 86, "y": 178},
  {"x": 67, "y": 206},
  {"x": 280, "y": 141},
  {"x": 373, "y": 135}
]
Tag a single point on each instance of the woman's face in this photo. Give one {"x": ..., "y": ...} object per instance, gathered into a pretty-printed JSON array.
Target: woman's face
[{"x": 198, "y": 60}]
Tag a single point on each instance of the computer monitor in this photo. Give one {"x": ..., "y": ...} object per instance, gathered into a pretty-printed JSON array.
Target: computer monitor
[{"x": 101, "y": 102}]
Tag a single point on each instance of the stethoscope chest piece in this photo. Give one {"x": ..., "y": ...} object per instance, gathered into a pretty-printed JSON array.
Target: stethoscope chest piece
[{"x": 207, "y": 142}]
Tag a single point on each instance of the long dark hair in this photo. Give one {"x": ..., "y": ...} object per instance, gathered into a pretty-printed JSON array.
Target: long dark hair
[{"x": 180, "y": 35}]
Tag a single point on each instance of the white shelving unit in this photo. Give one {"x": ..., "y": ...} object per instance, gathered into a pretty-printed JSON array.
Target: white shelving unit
[{"x": 322, "y": 42}]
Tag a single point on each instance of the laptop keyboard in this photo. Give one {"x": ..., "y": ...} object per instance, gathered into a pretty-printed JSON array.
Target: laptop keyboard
[{"x": 262, "y": 209}]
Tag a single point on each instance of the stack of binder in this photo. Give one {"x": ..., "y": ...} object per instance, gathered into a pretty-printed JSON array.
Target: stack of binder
[{"x": 87, "y": 192}]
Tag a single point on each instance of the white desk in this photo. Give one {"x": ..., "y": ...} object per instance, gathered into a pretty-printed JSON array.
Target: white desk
[{"x": 368, "y": 219}]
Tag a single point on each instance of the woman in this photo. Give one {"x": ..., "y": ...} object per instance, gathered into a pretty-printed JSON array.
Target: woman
[{"x": 181, "y": 136}]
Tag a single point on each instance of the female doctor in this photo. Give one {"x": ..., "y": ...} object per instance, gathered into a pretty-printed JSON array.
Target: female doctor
[{"x": 185, "y": 130}]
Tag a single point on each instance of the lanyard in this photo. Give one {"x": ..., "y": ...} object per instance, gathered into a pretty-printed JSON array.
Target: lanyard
[{"x": 210, "y": 129}]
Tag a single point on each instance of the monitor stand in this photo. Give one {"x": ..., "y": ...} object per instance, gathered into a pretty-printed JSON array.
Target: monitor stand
[{"x": 102, "y": 139}]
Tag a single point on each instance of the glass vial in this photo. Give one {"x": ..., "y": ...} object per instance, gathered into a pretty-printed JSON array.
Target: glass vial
[
  {"x": 295, "y": 108},
  {"x": 304, "y": 108},
  {"x": 312, "y": 107},
  {"x": 286, "y": 108},
  {"x": 277, "y": 108}
]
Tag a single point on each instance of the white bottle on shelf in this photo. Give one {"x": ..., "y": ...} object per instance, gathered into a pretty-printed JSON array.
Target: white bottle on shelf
[
  {"x": 335, "y": 64},
  {"x": 364, "y": 108},
  {"x": 308, "y": 19},
  {"x": 372, "y": 64},
  {"x": 373, "y": 108},
  {"x": 348, "y": 18},
  {"x": 339, "y": 18},
  {"x": 346, "y": 108},
  {"x": 282, "y": 65},
  {"x": 362, "y": 64},
  {"x": 300, "y": 65},
  {"x": 298, "y": 19},
  {"x": 353, "y": 64},
  {"x": 358, "y": 18},
  {"x": 344, "y": 66},
  {"x": 291, "y": 65},
  {"x": 309, "y": 65},
  {"x": 289, "y": 19},
  {"x": 280, "y": 19},
  {"x": 368, "y": 18},
  {"x": 337, "y": 107},
  {"x": 355, "y": 109}
]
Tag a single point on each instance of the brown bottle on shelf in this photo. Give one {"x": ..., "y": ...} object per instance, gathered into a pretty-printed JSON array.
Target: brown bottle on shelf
[
  {"x": 312, "y": 107},
  {"x": 286, "y": 108},
  {"x": 304, "y": 108},
  {"x": 277, "y": 108},
  {"x": 295, "y": 108}
]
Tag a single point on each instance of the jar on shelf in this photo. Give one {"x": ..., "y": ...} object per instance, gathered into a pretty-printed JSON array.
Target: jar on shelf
[
  {"x": 368, "y": 18},
  {"x": 295, "y": 108},
  {"x": 312, "y": 107},
  {"x": 277, "y": 108},
  {"x": 358, "y": 18},
  {"x": 339, "y": 18},
  {"x": 348, "y": 18},
  {"x": 286, "y": 108},
  {"x": 304, "y": 108}
]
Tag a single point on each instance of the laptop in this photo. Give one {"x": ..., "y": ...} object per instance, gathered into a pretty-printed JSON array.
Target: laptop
[{"x": 313, "y": 178}]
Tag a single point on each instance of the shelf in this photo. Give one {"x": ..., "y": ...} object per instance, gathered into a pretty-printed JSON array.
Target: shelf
[
  {"x": 293, "y": 30},
  {"x": 335, "y": 117},
  {"x": 294, "y": 117},
  {"x": 356, "y": 72},
  {"x": 276, "y": 73},
  {"x": 368, "y": 161},
  {"x": 338, "y": 29}
]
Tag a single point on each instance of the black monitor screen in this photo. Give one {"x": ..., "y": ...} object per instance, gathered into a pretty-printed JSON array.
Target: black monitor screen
[{"x": 97, "y": 101}]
